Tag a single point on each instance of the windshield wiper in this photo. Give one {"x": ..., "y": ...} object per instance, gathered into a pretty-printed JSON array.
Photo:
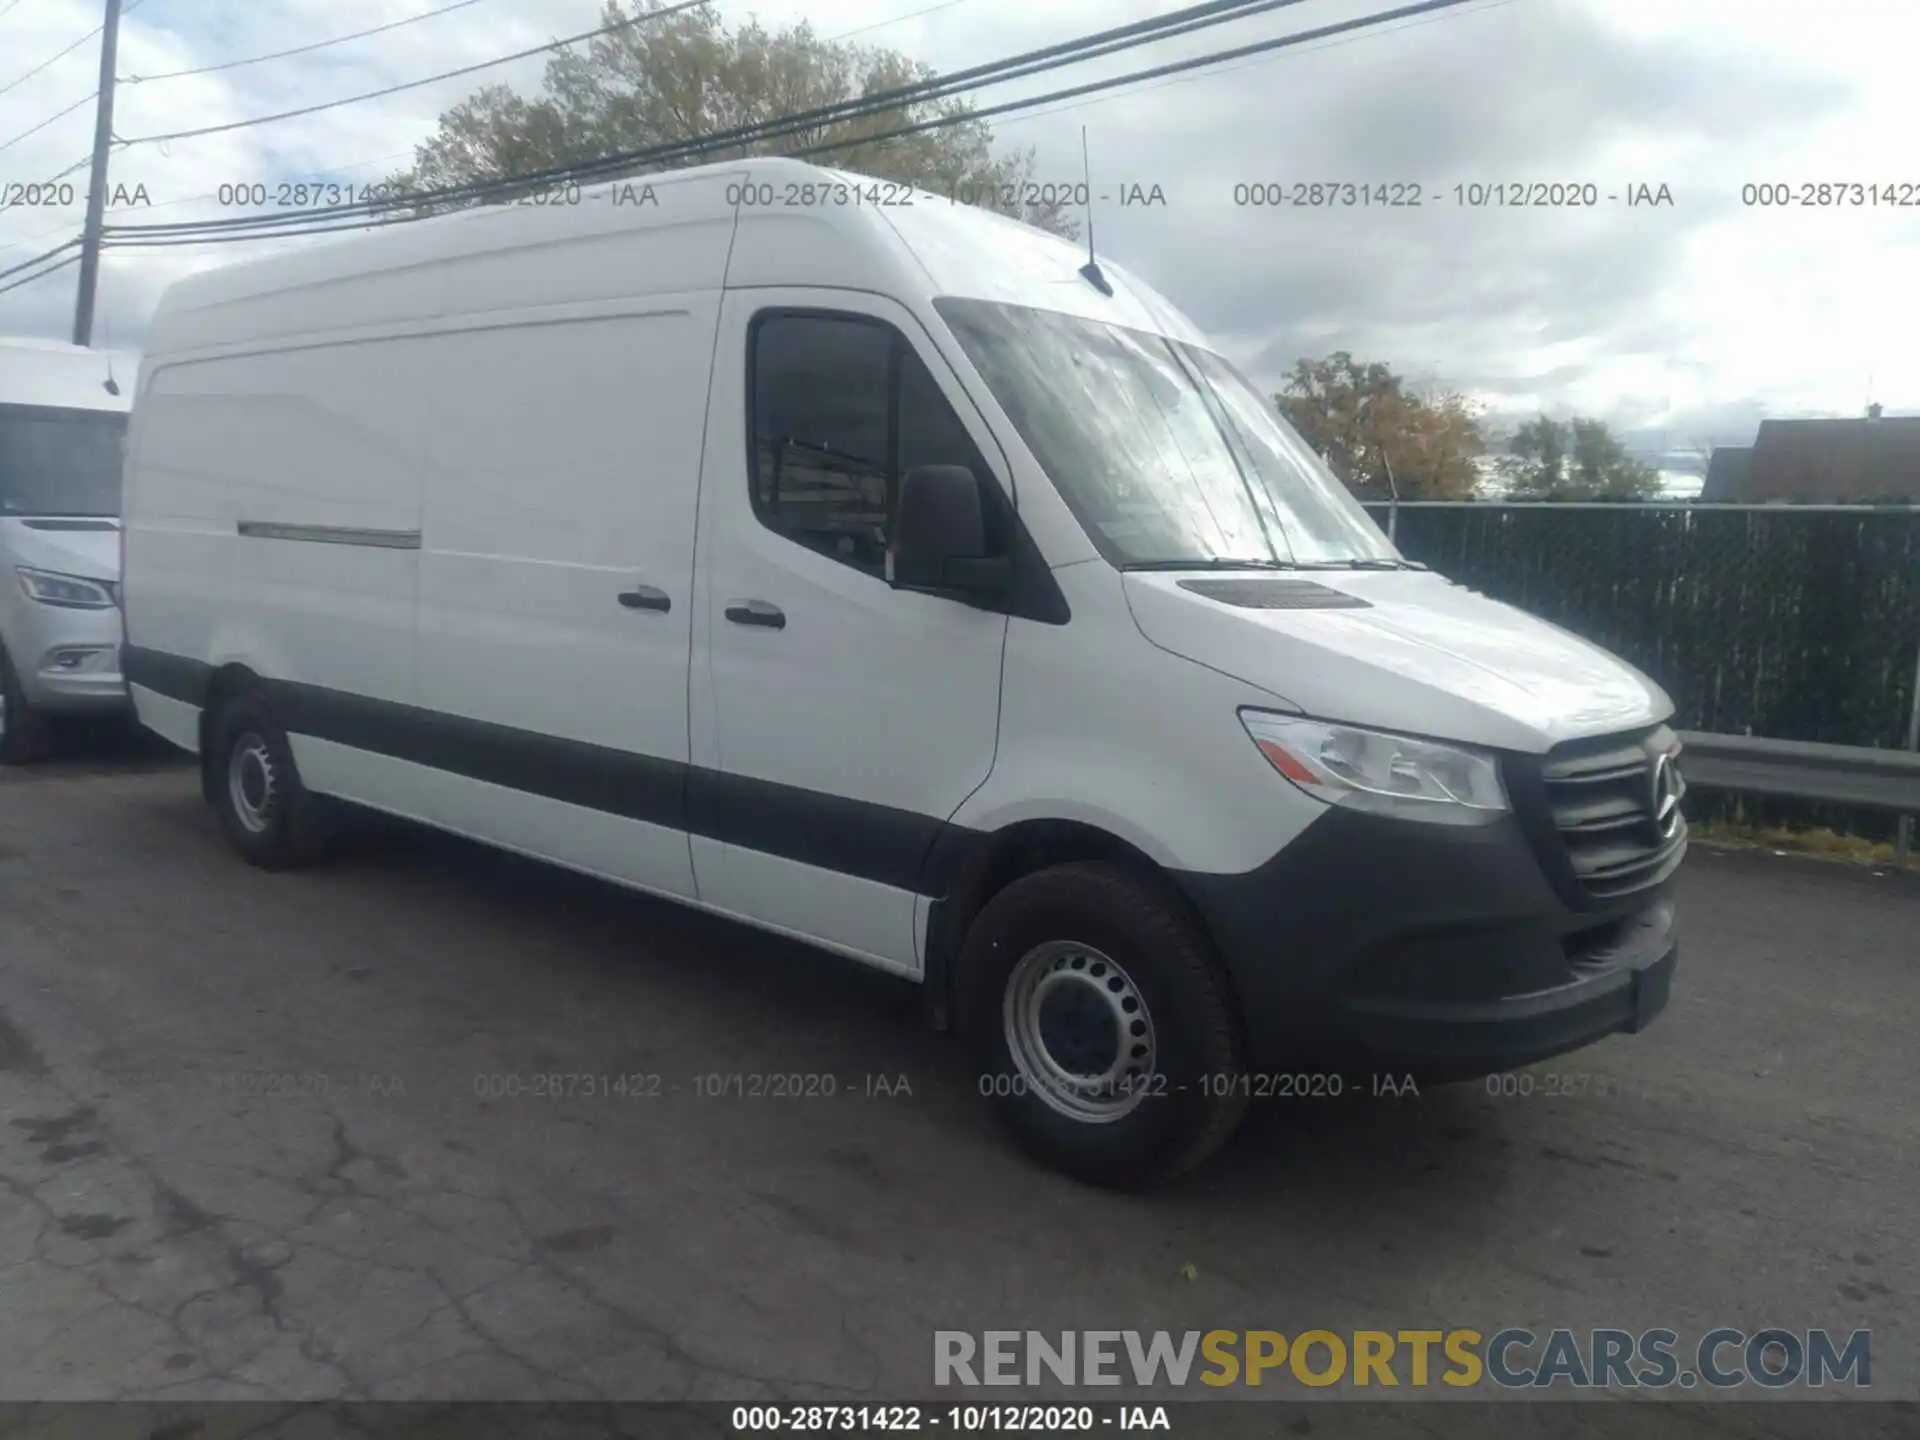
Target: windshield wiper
[
  {"x": 1220, "y": 562},
  {"x": 1213, "y": 562},
  {"x": 1370, "y": 562}
]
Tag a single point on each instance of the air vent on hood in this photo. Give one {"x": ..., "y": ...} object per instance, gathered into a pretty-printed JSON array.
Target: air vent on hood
[
  {"x": 1264, "y": 594},
  {"x": 86, "y": 525}
]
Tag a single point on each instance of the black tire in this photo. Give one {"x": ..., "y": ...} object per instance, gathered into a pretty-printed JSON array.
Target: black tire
[
  {"x": 274, "y": 821},
  {"x": 25, "y": 734},
  {"x": 1190, "y": 1104}
]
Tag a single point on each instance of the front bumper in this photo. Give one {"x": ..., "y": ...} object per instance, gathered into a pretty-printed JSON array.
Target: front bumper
[
  {"x": 68, "y": 661},
  {"x": 1442, "y": 951}
]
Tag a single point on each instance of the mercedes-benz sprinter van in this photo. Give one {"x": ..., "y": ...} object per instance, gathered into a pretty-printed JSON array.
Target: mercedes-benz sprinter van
[
  {"x": 860, "y": 566},
  {"x": 63, "y": 426}
]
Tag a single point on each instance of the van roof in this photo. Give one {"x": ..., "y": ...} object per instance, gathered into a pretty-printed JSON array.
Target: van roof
[
  {"x": 69, "y": 377},
  {"x": 677, "y": 230}
]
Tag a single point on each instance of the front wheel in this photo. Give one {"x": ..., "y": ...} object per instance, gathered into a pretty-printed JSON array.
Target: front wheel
[
  {"x": 249, "y": 777},
  {"x": 1101, "y": 1027}
]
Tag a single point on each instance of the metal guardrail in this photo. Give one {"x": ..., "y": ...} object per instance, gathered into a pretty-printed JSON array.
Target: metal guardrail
[{"x": 1802, "y": 770}]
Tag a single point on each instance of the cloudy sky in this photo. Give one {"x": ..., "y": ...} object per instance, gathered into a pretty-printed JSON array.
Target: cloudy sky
[{"x": 1682, "y": 324}]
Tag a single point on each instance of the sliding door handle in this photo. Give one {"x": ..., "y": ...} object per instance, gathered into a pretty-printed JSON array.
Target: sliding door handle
[
  {"x": 645, "y": 597},
  {"x": 757, "y": 612}
]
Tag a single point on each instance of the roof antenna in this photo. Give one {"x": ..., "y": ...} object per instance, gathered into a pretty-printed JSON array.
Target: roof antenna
[
  {"x": 110, "y": 385},
  {"x": 1090, "y": 271}
]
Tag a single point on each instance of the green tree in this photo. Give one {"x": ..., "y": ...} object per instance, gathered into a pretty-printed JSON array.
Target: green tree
[
  {"x": 1577, "y": 459},
  {"x": 1364, "y": 422},
  {"x": 686, "y": 75}
]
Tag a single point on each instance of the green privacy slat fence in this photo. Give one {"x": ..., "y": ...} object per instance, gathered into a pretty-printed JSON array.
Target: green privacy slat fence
[{"x": 1800, "y": 624}]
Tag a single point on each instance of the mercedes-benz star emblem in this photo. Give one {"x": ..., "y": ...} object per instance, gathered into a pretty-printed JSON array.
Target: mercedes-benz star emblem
[{"x": 1666, "y": 797}]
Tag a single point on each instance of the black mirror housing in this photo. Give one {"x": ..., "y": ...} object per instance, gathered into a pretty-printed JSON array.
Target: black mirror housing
[{"x": 940, "y": 533}]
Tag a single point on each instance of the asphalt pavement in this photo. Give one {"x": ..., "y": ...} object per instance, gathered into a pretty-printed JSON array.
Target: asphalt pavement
[{"x": 435, "y": 1122}]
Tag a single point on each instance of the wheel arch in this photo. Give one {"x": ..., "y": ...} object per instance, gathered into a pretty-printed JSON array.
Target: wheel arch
[
  {"x": 223, "y": 684},
  {"x": 979, "y": 866}
]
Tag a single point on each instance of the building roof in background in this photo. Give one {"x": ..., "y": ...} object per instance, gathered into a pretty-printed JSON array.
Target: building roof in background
[
  {"x": 1864, "y": 459},
  {"x": 1728, "y": 472},
  {"x": 1854, "y": 459}
]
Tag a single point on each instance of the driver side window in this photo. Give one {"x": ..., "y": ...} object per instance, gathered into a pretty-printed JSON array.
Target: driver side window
[{"x": 840, "y": 408}]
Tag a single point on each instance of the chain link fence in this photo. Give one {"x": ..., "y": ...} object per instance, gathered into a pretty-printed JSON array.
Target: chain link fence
[{"x": 1795, "y": 622}]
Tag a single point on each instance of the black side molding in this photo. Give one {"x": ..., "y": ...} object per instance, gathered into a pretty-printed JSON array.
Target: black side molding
[
  {"x": 901, "y": 848},
  {"x": 174, "y": 676}
]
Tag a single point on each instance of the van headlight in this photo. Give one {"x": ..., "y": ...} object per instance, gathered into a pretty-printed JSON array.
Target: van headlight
[
  {"x": 1379, "y": 772},
  {"x": 71, "y": 592}
]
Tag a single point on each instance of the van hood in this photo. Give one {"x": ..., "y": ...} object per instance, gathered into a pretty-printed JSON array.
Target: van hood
[
  {"x": 89, "y": 548},
  {"x": 1404, "y": 650}
]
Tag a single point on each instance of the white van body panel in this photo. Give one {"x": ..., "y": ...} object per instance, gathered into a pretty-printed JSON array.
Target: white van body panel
[
  {"x": 63, "y": 376},
  {"x": 573, "y": 483},
  {"x": 1147, "y": 749},
  {"x": 523, "y": 416},
  {"x": 324, "y": 435},
  {"x": 1429, "y": 657},
  {"x": 883, "y": 697},
  {"x": 611, "y": 243},
  {"x": 964, "y": 250}
]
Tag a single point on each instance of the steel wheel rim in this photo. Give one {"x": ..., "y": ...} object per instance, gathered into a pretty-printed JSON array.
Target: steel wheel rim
[
  {"x": 252, "y": 788},
  {"x": 1079, "y": 1032}
]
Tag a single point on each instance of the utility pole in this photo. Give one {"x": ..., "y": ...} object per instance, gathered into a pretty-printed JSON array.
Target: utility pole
[{"x": 97, "y": 184}]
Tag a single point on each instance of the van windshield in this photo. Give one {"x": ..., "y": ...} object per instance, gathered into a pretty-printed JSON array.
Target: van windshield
[
  {"x": 60, "y": 462},
  {"x": 1167, "y": 455}
]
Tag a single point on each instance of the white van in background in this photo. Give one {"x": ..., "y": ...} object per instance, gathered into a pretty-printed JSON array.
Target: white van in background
[
  {"x": 63, "y": 426},
  {"x": 858, "y": 566}
]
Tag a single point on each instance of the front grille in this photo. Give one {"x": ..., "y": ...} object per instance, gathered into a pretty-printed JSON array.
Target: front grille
[{"x": 1617, "y": 816}]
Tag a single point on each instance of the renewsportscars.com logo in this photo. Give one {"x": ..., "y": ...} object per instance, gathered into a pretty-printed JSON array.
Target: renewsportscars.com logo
[{"x": 1512, "y": 1358}]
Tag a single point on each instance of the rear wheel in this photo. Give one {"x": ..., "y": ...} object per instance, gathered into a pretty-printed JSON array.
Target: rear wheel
[
  {"x": 254, "y": 786},
  {"x": 1101, "y": 1027},
  {"x": 25, "y": 734}
]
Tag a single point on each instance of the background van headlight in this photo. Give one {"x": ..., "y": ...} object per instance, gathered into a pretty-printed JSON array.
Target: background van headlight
[
  {"x": 74, "y": 592},
  {"x": 1379, "y": 772}
]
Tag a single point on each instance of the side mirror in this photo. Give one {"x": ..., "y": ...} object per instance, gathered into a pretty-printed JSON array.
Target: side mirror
[{"x": 940, "y": 534}]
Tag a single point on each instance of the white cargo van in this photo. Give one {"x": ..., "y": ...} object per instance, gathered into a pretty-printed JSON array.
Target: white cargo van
[
  {"x": 63, "y": 427},
  {"x": 850, "y": 563}
]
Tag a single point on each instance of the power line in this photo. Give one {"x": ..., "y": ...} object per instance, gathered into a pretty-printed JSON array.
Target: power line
[
  {"x": 1033, "y": 62},
  {"x": 35, "y": 238},
  {"x": 298, "y": 49},
  {"x": 621, "y": 24},
  {"x": 57, "y": 115},
  {"x": 394, "y": 155},
  {"x": 896, "y": 20},
  {"x": 215, "y": 195},
  {"x": 50, "y": 270},
  {"x": 131, "y": 6},
  {"x": 82, "y": 163},
  {"x": 1478, "y": 8},
  {"x": 1194, "y": 17},
  {"x": 334, "y": 219},
  {"x": 11, "y": 84},
  {"x": 44, "y": 255},
  {"x": 1175, "y": 67}
]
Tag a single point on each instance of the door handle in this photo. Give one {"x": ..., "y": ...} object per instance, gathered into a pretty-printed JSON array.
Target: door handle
[
  {"x": 645, "y": 597},
  {"x": 757, "y": 612}
]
